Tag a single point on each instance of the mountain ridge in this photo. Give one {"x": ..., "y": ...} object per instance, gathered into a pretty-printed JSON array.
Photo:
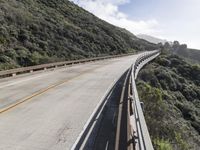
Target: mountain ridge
[
  {"x": 38, "y": 32},
  {"x": 151, "y": 39}
]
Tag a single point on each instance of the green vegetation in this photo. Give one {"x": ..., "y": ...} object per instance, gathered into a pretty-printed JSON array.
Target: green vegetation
[
  {"x": 191, "y": 55},
  {"x": 162, "y": 144},
  {"x": 170, "y": 90},
  {"x": 35, "y": 32}
]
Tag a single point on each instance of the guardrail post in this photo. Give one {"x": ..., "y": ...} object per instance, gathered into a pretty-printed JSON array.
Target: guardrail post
[{"x": 142, "y": 106}]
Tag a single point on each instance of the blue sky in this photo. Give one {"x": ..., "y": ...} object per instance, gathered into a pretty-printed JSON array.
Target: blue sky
[{"x": 167, "y": 19}]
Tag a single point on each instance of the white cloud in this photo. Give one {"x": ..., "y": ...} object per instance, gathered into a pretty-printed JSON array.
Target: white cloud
[
  {"x": 108, "y": 10},
  {"x": 175, "y": 20}
]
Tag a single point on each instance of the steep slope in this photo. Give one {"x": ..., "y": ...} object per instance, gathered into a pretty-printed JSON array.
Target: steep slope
[
  {"x": 170, "y": 89},
  {"x": 192, "y": 55},
  {"x": 40, "y": 31}
]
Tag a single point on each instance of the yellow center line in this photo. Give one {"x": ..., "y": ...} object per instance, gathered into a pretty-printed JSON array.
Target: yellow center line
[{"x": 40, "y": 92}]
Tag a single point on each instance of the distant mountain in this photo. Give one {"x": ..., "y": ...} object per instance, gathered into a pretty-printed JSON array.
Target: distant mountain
[
  {"x": 41, "y": 31},
  {"x": 151, "y": 39}
]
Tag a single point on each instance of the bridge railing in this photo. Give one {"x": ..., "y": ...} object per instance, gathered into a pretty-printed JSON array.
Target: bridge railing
[
  {"x": 14, "y": 72},
  {"x": 131, "y": 129},
  {"x": 137, "y": 120}
]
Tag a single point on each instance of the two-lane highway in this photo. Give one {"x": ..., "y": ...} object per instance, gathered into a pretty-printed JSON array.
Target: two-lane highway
[{"x": 47, "y": 111}]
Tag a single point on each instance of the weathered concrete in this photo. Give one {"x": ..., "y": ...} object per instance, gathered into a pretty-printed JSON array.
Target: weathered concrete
[{"x": 53, "y": 119}]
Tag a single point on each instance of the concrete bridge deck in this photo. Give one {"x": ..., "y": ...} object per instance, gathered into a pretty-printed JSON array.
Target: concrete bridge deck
[{"x": 48, "y": 110}]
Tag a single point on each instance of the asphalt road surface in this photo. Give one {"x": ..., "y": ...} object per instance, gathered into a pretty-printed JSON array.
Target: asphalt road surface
[{"x": 48, "y": 110}]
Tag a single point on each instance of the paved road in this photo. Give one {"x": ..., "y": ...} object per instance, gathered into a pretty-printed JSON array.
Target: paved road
[{"x": 48, "y": 110}]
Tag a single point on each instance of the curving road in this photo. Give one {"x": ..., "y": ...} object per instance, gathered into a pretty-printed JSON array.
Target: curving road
[{"x": 48, "y": 110}]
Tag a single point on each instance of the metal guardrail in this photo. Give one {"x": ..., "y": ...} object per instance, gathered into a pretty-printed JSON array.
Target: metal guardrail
[
  {"x": 132, "y": 132},
  {"x": 123, "y": 131},
  {"x": 144, "y": 59},
  {"x": 137, "y": 120},
  {"x": 14, "y": 72}
]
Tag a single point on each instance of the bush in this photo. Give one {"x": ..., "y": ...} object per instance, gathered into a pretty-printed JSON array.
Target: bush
[
  {"x": 161, "y": 144},
  {"x": 163, "y": 62},
  {"x": 174, "y": 121}
]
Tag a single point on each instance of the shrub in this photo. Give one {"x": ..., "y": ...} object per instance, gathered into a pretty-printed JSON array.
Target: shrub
[
  {"x": 161, "y": 144},
  {"x": 174, "y": 121},
  {"x": 163, "y": 62}
]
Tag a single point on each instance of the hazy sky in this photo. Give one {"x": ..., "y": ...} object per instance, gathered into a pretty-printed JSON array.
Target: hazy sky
[{"x": 168, "y": 19}]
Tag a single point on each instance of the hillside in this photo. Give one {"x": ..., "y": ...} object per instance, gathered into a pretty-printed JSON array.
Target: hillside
[
  {"x": 192, "y": 55},
  {"x": 170, "y": 90},
  {"x": 182, "y": 50},
  {"x": 35, "y": 32},
  {"x": 175, "y": 47},
  {"x": 151, "y": 39}
]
